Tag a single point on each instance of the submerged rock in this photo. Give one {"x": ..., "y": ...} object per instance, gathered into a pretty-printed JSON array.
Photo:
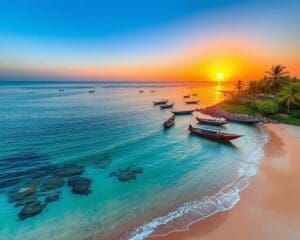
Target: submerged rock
[
  {"x": 53, "y": 197},
  {"x": 80, "y": 185},
  {"x": 20, "y": 194},
  {"x": 26, "y": 200},
  {"x": 102, "y": 162},
  {"x": 31, "y": 209},
  {"x": 127, "y": 174},
  {"x": 52, "y": 183},
  {"x": 71, "y": 170}
]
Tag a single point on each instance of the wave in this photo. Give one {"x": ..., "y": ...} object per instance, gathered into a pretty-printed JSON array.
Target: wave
[{"x": 187, "y": 214}]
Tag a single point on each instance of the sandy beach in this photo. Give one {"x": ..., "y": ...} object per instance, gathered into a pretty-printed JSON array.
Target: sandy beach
[{"x": 270, "y": 206}]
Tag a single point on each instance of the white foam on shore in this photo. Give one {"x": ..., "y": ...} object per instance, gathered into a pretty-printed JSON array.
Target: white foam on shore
[{"x": 194, "y": 211}]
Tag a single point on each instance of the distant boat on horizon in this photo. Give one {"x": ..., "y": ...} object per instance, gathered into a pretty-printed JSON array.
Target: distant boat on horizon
[
  {"x": 61, "y": 90},
  {"x": 92, "y": 91},
  {"x": 192, "y": 102}
]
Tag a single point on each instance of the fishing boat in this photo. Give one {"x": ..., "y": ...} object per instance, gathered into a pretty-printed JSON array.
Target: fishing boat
[
  {"x": 152, "y": 91},
  {"x": 141, "y": 91},
  {"x": 167, "y": 106},
  {"x": 61, "y": 90},
  {"x": 186, "y": 96},
  {"x": 160, "y": 102},
  {"x": 195, "y": 94},
  {"x": 192, "y": 102},
  {"x": 213, "y": 134},
  {"x": 92, "y": 91},
  {"x": 170, "y": 122},
  {"x": 213, "y": 122},
  {"x": 183, "y": 112},
  {"x": 246, "y": 120}
]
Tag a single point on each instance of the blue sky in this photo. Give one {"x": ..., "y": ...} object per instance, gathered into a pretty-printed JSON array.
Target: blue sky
[{"x": 104, "y": 37}]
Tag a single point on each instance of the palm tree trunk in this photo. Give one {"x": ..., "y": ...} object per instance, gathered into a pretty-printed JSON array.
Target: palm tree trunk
[{"x": 289, "y": 107}]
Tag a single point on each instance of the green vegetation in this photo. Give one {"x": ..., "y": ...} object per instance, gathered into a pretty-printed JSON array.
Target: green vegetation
[
  {"x": 276, "y": 96},
  {"x": 267, "y": 106}
]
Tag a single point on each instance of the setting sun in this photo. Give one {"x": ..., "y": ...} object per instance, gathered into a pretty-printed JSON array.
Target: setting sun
[{"x": 220, "y": 76}]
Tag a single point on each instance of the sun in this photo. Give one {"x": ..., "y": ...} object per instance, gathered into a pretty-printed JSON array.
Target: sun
[{"x": 220, "y": 76}]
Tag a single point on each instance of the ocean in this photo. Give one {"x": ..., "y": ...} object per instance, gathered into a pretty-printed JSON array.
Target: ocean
[{"x": 107, "y": 137}]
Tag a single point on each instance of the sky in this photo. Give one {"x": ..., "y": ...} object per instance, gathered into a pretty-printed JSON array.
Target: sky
[{"x": 157, "y": 40}]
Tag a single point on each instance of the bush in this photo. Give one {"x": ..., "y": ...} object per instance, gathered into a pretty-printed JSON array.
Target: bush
[
  {"x": 267, "y": 106},
  {"x": 295, "y": 113}
]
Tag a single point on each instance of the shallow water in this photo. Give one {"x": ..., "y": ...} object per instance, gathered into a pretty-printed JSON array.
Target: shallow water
[{"x": 184, "y": 177}]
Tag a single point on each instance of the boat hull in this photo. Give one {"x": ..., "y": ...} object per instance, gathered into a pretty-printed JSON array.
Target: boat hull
[
  {"x": 183, "y": 112},
  {"x": 211, "y": 122},
  {"x": 213, "y": 135}
]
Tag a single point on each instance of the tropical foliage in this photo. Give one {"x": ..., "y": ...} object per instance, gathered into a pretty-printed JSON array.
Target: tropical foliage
[
  {"x": 276, "y": 92},
  {"x": 267, "y": 106},
  {"x": 290, "y": 95}
]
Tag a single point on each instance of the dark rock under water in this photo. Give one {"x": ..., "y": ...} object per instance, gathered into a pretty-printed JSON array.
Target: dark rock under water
[
  {"x": 127, "y": 174},
  {"x": 80, "y": 185},
  {"x": 29, "y": 179}
]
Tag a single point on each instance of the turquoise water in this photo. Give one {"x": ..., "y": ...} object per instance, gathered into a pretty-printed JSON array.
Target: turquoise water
[{"x": 184, "y": 178}]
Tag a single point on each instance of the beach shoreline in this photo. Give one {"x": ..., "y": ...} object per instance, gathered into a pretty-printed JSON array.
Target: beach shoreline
[{"x": 257, "y": 215}]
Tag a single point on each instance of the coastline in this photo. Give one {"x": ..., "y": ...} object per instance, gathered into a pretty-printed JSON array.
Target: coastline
[{"x": 269, "y": 207}]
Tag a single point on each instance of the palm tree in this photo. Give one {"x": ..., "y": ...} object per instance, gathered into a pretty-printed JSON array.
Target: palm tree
[
  {"x": 290, "y": 94},
  {"x": 239, "y": 86},
  {"x": 274, "y": 82}
]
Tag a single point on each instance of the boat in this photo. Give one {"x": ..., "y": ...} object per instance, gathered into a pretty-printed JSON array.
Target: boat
[
  {"x": 141, "y": 91},
  {"x": 92, "y": 91},
  {"x": 186, "y": 96},
  {"x": 213, "y": 134},
  {"x": 214, "y": 122},
  {"x": 183, "y": 112},
  {"x": 61, "y": 90},
  {"x": 170, "y": 122},
  {"x": 160, "y": 102},
  {"x": 167, "y": 106},
  {"x": 192, "y": 102},
  {"x": 245, "y": 120},
  {"x": 195, "y": 94},
  {"x": 152, "y": 91}
]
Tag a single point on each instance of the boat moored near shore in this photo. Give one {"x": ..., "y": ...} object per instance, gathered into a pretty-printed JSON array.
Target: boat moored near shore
[
  {"x": 167, "y": 106},
  {"x": 170, "y": 122},
  {"x": 213, "y": 134},
  {"x": 213, "y": 122},
  {"x": 160, "y": 102},
  {"x": 183, "y": 112}
]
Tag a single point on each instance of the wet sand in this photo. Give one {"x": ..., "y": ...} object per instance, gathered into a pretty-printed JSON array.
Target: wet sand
[{"x": 270, "y": 207}]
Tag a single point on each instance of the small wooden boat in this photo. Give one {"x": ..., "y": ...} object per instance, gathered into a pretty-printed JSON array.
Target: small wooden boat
[
  {"x": 186, "y": 96},
  {"x": 214, "y": 122},
  {"x": 170, "y": 122},
  {"x": 141, "y": 91},
  {"x": 152, "y": 91},
  {"x": 213, "y": 134},
  {"x": 160, "y": 102},
  {"x": 184, "y": 112},
  {"x": 92, "y": 91},
  {"x": 242, "y": 120},
  {"x": 192, "y": 102},
  {"x": 167, "y": 106},
  {"x": 195, "y": 94}
]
